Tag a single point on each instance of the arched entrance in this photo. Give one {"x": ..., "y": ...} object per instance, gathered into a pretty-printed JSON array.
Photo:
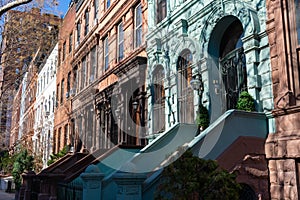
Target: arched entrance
[{"x": 228, "y": 75}]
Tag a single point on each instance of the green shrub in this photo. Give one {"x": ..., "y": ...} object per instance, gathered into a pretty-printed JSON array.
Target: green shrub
[
  {"x": 60, "y": 154},
  {"x": 23, "y": 161},
  {"x": 202, "y": 119},
  {"x": 246, "y": 102}
]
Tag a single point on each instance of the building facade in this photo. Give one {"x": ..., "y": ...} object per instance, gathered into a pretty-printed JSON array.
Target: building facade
[
  {"x": 282, "y": 145},
  {"x": 222, "y": 46},
  {"x": 62, "y": 116},
  {"x": 44, "y": 108},
  {"x": 33, "y": 28},
  {"x": 109, "y": 61}
]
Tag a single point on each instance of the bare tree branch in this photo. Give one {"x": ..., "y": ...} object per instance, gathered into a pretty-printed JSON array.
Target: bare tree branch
[{"x": 12, "y": 5}]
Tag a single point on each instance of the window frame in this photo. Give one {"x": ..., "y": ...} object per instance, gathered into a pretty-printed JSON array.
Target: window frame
[
  {"x": 64, "y": 51},
  {"x": 83, "y": 72},
  {"x": 62, "y": 90},
  {"x": 96, "y": 9},
  {"x": 78, "y": 30},
  {"x": 106, "y": 53},
  {"x": 120, "y": 42},
  {"x": 138, "y": 27},
  {"x": 93, "y": 63},
  {"x": 107, "y": 4},
  {"x": 86, "y": 22},
  {"x": 161, "y": 12},
  {"x": 71, "y": 42}
]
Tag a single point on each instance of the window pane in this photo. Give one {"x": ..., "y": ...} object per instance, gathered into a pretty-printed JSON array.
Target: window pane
[
  {"x": 93, "y": 64},
  {"x": 86, "y": 30},
  {"x": 62, "y": 91},
  {"x": 106, "y": 54},
  {"x": 120, "y": 42},
  {"x": 138, "y": 26},
  {"x": 70, "y": 42},
  {"x": 107, "y": 4},
  {"x": 161, "y": 10},
  {"x": 78, "y": 32},
  {"x": 96, "y": 7}
]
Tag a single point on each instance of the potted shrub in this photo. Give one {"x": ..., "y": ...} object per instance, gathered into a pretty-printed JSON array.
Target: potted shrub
[
  {"x": 246, "y": 102},
  {"x": 202, "y": 119}
]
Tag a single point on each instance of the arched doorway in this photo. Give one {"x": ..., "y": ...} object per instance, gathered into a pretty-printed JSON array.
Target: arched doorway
[
  {"x": 185, "y": 92},
  {"x": 228, "y": 75}
]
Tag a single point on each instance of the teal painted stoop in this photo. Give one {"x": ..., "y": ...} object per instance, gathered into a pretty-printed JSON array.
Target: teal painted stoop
[{"x": 214, "y": 140}]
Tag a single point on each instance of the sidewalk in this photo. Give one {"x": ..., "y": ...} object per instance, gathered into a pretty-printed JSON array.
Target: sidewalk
[{"x": 6, "y": 196}]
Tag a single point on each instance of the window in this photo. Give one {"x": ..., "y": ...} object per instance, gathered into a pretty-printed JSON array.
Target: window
[
  {"x": 161, "y": 10},
  {"x": 47, "y": 77},
  {"x": 138, "y": 26},
  {"x": 75, "y": 79},
  {"x": 96, "y": 9},
  {"x": 86, "y": 27},
  {"x": 106, "y": 54},
  {"x": 120, "y": 42},
  {"x": 83, "y": 72},
  {"x": 53, "y": 101},
  {"x": 158, "y": 100},
  {"x": 93, "y": 65},
  {"x": 54, "y": 142},
  {"x": 58, "y": 140},
  {"x": 62, "y": 91},
  {"x": 64, "y": 51},
  {"x": 70, "y": 42},
  {"x": 66, "y": 135},
  {"x": 185, "y": 98},
  {"x": 297, "y": 10},
  {"x": 78, "y": 32},
  {"x": 107, "y": 4},
  {"x": 57, "y": 94},
  {"x": 69, "y": 82}
]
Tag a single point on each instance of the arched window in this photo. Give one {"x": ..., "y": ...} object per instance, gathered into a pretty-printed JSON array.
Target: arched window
[
  {"x": 158, "y": 100},
  {"x": 185, "y": 93}
]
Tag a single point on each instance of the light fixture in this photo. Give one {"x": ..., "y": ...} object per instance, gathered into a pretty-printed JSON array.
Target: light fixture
[
  {"x": 135, "y": 105},
  {"x": 195, "y": 84}
]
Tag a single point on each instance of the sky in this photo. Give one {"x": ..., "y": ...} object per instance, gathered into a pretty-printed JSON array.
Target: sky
[{"x": 63, "y": 6}]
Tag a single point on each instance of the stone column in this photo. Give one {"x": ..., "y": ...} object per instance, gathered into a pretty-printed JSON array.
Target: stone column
[
  {"x": 129, "y": 185},
  {"x": 92, "y": 181}
]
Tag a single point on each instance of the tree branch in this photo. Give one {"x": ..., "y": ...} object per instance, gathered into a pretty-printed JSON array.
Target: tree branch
[{"x": 12, "y": 5}]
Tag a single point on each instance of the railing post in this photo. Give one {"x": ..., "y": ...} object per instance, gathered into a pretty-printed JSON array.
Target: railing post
[
  {"x": 27, "y": 182},
  {"x": 129, "y": 185},
  {"x": 92, "y": 182}
]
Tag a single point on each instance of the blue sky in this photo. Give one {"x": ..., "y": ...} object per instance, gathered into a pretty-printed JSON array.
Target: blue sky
[{"x": 63, "y": 6}]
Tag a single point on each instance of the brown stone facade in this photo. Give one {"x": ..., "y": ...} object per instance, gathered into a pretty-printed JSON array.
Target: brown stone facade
[
  {"x": 282, "y": 147},
  {"x": 249, "y": 164},
  {"x": 106, "y": 48},
  {"x": 62, "y": 116}
]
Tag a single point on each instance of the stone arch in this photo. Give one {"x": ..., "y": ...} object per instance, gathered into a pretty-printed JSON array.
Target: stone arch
[
  {"x": 225, "y": 63},
  {"x": 245, "y": 14},
  {"x": 187, "y": 43}
]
